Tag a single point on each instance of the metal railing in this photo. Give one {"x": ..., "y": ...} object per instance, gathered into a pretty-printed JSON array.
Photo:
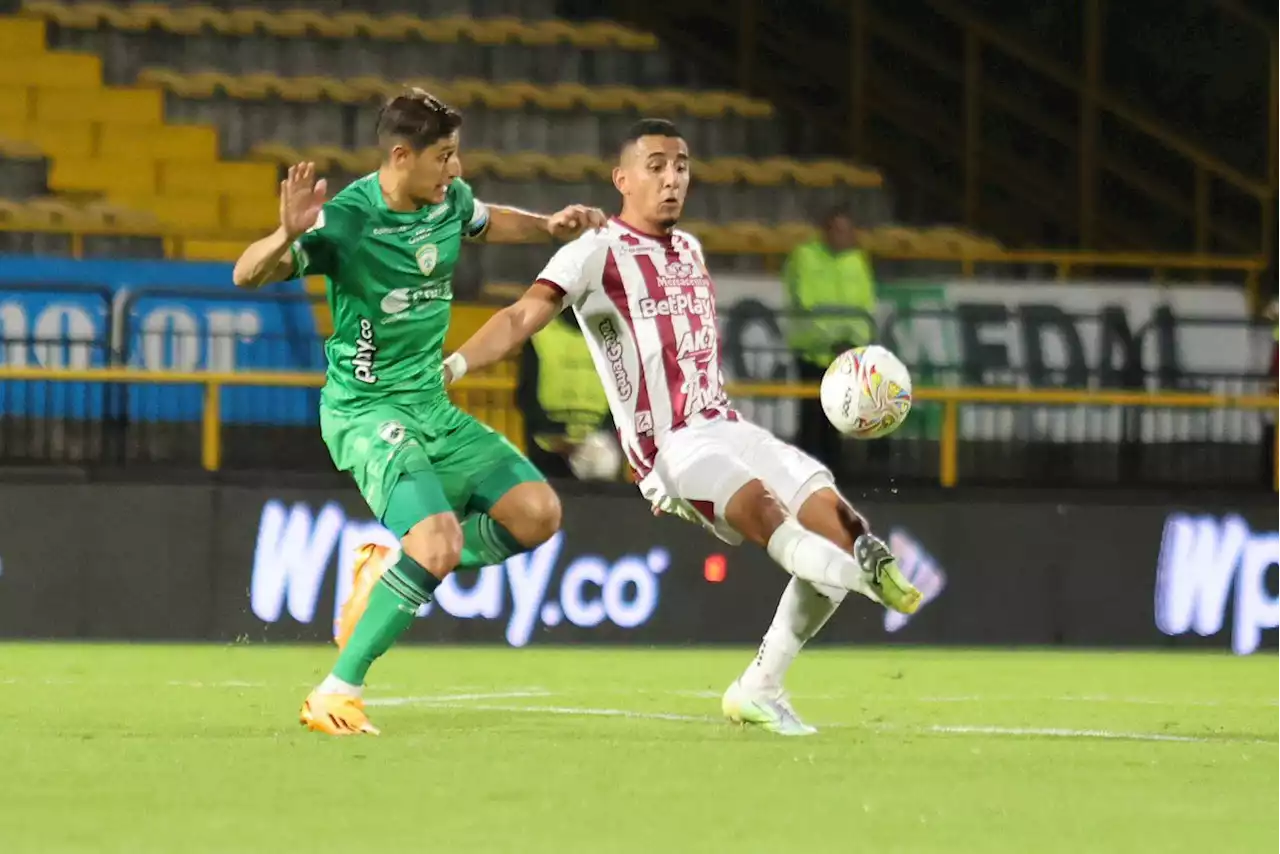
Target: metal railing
[{"x": 952, "y": 400}]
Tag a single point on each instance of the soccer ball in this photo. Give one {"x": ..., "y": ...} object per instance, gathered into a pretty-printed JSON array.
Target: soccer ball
[
  {"x": 866, "y": 392},
  {"x": 597, "y": 458}
]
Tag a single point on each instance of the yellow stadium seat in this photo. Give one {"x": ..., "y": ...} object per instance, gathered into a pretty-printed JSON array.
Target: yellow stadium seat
[
  {"x": 578, "y": 167},
  {"x": 236, "y": 179},
  {"x": 13, "y": 214},
  {"x": 194, "y": 249},
  {"x": 178, "y": 213},
  {"x": 125, "y": 178},
  {"x": 52, "y": 70},
  {"x": 294, "y": 23},
  {"x": 15, "y": 104},
  {"x": 59, "y": 139},
  {"x": 459, "y": 92},
  {"x": 21, "y": 37},
  {"x": 167, "y": 142},
  {"x": 251, "y": 213},
  {"x": 123, "y": 105},
  {"x": 18, "y": 148}
]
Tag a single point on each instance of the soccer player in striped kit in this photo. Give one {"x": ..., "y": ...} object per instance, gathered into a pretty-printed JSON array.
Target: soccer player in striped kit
[{"x": 646, "y": 302}]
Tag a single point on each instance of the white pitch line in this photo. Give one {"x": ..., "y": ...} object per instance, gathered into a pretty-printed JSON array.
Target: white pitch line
[
  {"x": 576, "y": 711},
  {"x": 937, "y": 729},
  {"x": 449, "y": 699},
  {"x": 1103, "y": 699},
  {"x": 1054, "y": 732}
]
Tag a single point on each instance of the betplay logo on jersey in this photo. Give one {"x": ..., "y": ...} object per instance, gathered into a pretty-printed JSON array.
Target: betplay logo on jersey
[
  {"x": 1201, "y": 557},
  {"x": 546, "y": 587}
]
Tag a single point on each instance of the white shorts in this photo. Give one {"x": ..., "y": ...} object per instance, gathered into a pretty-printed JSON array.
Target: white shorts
[{"x": 700, "y": 467}]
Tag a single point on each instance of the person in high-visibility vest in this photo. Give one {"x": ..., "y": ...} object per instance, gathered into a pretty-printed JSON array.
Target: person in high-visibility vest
[
  {"x": 831, "y": 292},
  {"x": 560, "y": 396}
]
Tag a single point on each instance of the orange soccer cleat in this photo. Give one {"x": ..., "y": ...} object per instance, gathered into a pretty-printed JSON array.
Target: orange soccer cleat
[
  {"x": 371, "y": 562},
  {"x": 335, "y": 714}
]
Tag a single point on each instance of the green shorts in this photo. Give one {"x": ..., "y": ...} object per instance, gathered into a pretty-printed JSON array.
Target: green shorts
[{"x": 456, "y": 463}]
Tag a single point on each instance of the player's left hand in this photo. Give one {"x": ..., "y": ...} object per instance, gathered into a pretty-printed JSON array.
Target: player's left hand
[{"x": 574, "y": 220}]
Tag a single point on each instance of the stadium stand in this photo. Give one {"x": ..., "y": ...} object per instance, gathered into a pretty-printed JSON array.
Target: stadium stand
[{"x": 162, "y": 128}]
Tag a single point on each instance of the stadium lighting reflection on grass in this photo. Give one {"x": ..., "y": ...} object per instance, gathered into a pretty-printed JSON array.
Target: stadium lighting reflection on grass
[{"x": 713, "y": 569}]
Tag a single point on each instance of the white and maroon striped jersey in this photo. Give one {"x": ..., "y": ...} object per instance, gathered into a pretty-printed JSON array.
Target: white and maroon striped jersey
[{"x": 647, "y": 306}]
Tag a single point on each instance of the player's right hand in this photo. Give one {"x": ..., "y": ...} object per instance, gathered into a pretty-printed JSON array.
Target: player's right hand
[{"x": 301, "y": 198}]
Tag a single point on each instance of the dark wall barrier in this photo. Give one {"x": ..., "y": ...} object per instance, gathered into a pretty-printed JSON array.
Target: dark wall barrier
[{"x": 222, "y": 562}]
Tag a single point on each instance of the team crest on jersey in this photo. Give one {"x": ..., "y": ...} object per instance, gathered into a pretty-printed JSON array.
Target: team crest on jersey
[
  {"x": 427, "y": 255},
  {"x": 391, "y": 432},
  {"x": 644, "y": 422}
]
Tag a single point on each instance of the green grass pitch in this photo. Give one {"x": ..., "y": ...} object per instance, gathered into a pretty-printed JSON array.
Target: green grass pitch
[{"x": 194, "y": 749}]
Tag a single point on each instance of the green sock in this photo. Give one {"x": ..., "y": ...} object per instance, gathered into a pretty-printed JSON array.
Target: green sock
[
  {"x": 393, "y": 604},
  {"x": 485, "y": 542}
]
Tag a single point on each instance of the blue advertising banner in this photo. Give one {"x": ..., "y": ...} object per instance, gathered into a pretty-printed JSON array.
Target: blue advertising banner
[{"x": 154, "y": 315}]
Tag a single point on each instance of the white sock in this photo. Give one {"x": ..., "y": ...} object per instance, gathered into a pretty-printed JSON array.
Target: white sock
[
  {"x": 802, "y": 612},
  {"x": 816, "y": 559},
  {"x": 333, "y": 685}
]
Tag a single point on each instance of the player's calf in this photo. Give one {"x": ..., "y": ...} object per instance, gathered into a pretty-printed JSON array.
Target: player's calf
[
  {"x": 865, "y": 565},
  {"x": 760, "y": 517},
  {"x": 827, "y": 513}
]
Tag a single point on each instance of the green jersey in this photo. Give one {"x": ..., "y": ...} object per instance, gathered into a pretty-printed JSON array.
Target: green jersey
[{"x": 390, "y": 285}]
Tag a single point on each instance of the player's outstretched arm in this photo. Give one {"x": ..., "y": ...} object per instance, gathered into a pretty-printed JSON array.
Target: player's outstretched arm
[
  {"x": 269, "y": 259},
  {"x": 512, "y": 225},
  {"x": 504, "y": 332}
]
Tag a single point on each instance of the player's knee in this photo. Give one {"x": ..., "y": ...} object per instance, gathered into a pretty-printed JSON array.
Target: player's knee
[
  {"x": 541, "y": 517},
  {"x": 435, "y": 543}
]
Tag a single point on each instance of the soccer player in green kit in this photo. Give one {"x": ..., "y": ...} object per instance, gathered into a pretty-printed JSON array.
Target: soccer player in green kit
[{"x": 387, "y": 245}]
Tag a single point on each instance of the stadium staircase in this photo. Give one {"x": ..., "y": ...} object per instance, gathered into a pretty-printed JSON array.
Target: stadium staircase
[{"x": 979, "y": 124}]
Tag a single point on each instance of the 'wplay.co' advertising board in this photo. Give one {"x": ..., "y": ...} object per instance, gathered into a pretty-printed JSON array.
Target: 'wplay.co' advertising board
[{"x": 219, "y": 562}]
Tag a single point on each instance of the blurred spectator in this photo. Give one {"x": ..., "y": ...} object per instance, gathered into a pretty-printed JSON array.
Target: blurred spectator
[
  {"x": 832, "y": 295},
  {"x": 564, "y": 406}
]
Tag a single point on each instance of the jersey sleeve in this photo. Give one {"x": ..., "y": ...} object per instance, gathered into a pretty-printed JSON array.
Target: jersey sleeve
[
  {"x": 695, "y": 246},
  {"x": 575, "y": 269},
  {"x": 473, "y": 212},
  {"x": 319, "y": 251}
]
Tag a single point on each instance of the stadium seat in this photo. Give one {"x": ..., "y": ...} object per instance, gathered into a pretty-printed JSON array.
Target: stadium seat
[
  {"x": 295, "y": 23},
  {"x": 60, "y": 70},
  {"x": 461, "y": 93},
  {"x": 148, "y": 155},
  {"x": 21, "y": 37},
  {"x": 579, "y": 167},
  {"x": 167, "y": 142}
]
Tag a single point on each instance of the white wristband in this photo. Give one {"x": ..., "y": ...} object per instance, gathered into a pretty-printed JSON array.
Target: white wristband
[{"x": 457, "y": 366}]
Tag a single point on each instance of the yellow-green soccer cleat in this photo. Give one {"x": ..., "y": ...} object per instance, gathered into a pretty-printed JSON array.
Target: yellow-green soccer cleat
[
  {"x": 768, "y": 710},
  {"x": 883, "y": 576}
]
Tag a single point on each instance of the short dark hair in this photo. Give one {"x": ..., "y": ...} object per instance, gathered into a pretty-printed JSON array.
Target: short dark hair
[
  {"x": 833, "y": 213},
  {"x": 417, "y": 118},
  {"x": 650, "y": 127}
]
